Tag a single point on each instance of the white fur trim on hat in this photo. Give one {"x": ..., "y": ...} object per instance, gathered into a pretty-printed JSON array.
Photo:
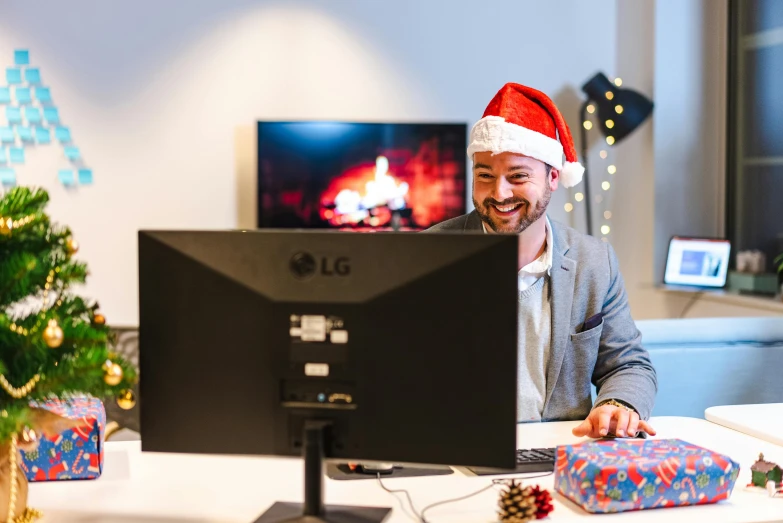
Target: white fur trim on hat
[
  {"x": 571, "y": 174},
  {"x": 494, "y": 134}
]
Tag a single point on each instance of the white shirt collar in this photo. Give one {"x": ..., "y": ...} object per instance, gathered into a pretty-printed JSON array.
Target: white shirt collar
[{"x": 543, "y": 264}]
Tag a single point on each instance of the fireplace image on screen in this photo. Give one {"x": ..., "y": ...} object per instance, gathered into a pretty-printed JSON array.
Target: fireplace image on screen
[{"x": 360, "y": 176}]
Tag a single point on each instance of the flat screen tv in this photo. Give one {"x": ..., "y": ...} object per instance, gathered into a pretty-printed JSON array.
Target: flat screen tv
[{"x": 360, "y": 176}]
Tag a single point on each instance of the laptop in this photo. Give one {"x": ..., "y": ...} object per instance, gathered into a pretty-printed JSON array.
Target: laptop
[{"x": 697, "y": 263}]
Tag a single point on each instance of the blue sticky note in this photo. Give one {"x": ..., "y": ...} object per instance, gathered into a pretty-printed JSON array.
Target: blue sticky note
[
  {"x": 43, "y": 94},
  {"x": 33, "y": 75},
  {"x": 7, "y": 135},
  {"x": 66, "y": 176},
  {"x": 25, "y": 134},
  {"x": 13, "y": 75},
  {"x": 23, "y": 95},
  {"x": 13, "y": 114},
  {"x": 85, "y": 176},
  {"x": 22, "y": 57},
  {"x": 16, "y": 154},
  {"x": 32, "y": 114},
  {"x": 72, "y": 152},
  {"x": 63, "y": 134},
  {"x": 42, "y": 135},
  {"x": 5, "y": 95},
  {"x": 3, "y": 156},
  {"x": 7, "y": 176},
  {"x": 51, "y": 114}
]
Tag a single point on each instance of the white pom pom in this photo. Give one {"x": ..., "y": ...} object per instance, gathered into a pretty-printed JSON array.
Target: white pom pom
[{"x": 571, "y": 174}]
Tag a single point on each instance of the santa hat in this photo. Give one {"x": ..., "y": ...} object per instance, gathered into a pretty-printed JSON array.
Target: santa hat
[{"x": 522, "y": 120}]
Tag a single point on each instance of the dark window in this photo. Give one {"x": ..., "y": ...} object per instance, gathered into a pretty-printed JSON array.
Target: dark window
[{"x": 755, "y": 127}]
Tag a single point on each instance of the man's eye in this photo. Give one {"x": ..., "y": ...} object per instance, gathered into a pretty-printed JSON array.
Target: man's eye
[{"x": 484, "y": 175}]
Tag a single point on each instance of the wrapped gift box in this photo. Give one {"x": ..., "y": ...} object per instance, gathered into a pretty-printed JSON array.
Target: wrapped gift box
[
  {"x": 74, "y": 454},
  {"x": 620, "y": 475}
]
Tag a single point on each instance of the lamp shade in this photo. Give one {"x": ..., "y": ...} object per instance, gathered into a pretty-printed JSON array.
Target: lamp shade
[{"x": 620, "y": 111}]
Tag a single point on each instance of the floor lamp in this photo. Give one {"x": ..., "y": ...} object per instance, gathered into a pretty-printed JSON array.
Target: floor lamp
[{"x": 619, "y": 112}]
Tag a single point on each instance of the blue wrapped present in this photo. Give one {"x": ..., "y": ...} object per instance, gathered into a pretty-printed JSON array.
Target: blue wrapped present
[
  {"x": 75, "y": 453},
  {"x": 621, "y": 475}
]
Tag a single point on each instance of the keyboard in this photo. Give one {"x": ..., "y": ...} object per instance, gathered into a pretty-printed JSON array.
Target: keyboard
[{"x": 528, "y": 461}]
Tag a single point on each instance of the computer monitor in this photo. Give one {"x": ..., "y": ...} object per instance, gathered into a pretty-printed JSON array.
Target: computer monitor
[{"x": 392, "y": 347}]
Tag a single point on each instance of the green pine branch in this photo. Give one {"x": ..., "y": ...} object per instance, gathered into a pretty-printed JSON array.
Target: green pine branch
[{"x": 22, "y": 201}]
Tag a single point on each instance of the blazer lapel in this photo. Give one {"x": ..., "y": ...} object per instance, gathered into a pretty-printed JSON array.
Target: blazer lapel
[
  {"x": 473, "y": 222},
  {"x": 562, "y": 281}
]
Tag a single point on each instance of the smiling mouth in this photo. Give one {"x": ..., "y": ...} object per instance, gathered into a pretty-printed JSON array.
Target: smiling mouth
[{"x": 506, "y": 210}]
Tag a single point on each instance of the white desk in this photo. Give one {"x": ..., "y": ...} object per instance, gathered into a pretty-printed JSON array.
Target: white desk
[
  {"x": 764, "y": 422},
  {"x": 167, "y": 488}
]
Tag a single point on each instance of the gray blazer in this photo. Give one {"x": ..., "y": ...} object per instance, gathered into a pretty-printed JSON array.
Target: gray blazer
[{"x": 586, "y": 281}]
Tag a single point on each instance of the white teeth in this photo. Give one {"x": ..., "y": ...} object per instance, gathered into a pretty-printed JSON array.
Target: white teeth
[{"x": 507, "y": 208}]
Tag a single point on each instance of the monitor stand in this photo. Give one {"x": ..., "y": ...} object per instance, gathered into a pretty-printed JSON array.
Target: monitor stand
[{"x": 313, "y": 509}]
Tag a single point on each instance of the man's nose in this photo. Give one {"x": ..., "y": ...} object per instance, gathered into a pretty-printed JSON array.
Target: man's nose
[{"x": 502, "y": 190}]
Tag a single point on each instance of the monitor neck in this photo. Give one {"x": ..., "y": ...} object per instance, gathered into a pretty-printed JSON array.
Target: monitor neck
[{"x": 313, "y": 451}]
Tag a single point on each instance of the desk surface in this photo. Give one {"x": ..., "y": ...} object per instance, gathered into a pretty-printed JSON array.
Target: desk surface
[
  {"x": 764, "y": 421},
  {"x": 141, "y": 487}
]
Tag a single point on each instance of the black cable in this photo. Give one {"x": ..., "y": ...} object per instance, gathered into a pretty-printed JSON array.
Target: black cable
[
  {"x": 691, "y": 303},
  {"x": 420, "y": 515}
]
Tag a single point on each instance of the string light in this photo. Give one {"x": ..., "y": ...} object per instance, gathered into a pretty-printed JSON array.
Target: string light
[
  {"x": 618, "y": 81},
  {"x": 618, "y": 109},
  {"x": 605, "y": 229},
  {"x": 608, "y": 215},
  {"x": 609, "y": 124},
  {"x": 588, "y": 124},
  {"x": 591, "y": 108},
  {"x": 579, "y": 197},
  {"x": 569, "y": 207},
  {"x": 611, "y": 169},
  {"x": 610, "y": 140},
  {"x": 605, "y": 186},
  {"x": 603, "y": 154},
  {"x": 609, "y": 95}
]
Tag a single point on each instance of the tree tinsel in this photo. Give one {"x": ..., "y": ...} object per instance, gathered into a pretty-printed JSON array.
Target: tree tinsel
[{"x": 37, "y": 270}]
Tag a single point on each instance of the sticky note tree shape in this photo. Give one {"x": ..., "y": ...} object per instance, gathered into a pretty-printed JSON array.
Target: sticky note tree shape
[{"x": 31, "y": 120}]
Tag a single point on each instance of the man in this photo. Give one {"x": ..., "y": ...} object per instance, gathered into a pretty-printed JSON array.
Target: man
[{"x": 575, "y": 325}]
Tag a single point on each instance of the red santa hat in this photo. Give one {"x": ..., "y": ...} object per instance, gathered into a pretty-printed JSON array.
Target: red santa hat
[{"x": 522, "y": 120}]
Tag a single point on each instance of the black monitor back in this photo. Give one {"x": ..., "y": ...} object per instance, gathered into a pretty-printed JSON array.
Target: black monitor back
[{"x": 416, "y": 331}]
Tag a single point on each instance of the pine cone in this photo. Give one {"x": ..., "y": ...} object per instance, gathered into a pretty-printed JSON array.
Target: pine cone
[{"x": 520, "y": 505}]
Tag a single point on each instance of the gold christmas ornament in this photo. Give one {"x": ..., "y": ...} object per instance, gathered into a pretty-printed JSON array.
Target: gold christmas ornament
[
  {"x": 99, "y": 319},
  {"x": 6, "y": 224},
  {"x": 107, "y": 365},
  {"x": 53, "y": 335},
  {"x": 18, "y": 392},
  {"x": 113, "y": 375},
  {"x": 126, "y": 400},
  {"x": 72, "y": 245}
]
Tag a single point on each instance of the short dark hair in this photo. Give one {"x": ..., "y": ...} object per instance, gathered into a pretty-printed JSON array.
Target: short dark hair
[{"x": 548, "y": 169}]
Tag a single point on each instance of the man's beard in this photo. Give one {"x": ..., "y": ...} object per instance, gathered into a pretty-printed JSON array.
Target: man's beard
[{"x": 518, "y": 222}]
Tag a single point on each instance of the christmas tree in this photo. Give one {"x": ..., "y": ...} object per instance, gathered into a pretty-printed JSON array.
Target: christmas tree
[{"x": 53, "y": 344}]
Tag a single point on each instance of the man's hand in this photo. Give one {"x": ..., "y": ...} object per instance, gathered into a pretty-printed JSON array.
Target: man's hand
[{"x": 608, "y": 419}]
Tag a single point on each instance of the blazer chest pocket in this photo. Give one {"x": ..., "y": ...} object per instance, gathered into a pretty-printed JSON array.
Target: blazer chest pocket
[{"x": 584, "y": 347}]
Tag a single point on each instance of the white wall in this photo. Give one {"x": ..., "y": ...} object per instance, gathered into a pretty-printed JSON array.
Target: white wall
[
  {"x": 690, "y": 140},
  {"x": 161, "y": 96}
]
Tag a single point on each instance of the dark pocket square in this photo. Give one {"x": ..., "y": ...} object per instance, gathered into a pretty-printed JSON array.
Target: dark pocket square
[{"x": 592, "y": 322}]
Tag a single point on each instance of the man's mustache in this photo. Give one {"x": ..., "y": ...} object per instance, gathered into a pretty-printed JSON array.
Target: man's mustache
[{"x": 508, "y": 201}]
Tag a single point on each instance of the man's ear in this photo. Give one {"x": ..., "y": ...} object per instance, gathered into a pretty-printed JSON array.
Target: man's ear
[{"x": 553, "y": 178}]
